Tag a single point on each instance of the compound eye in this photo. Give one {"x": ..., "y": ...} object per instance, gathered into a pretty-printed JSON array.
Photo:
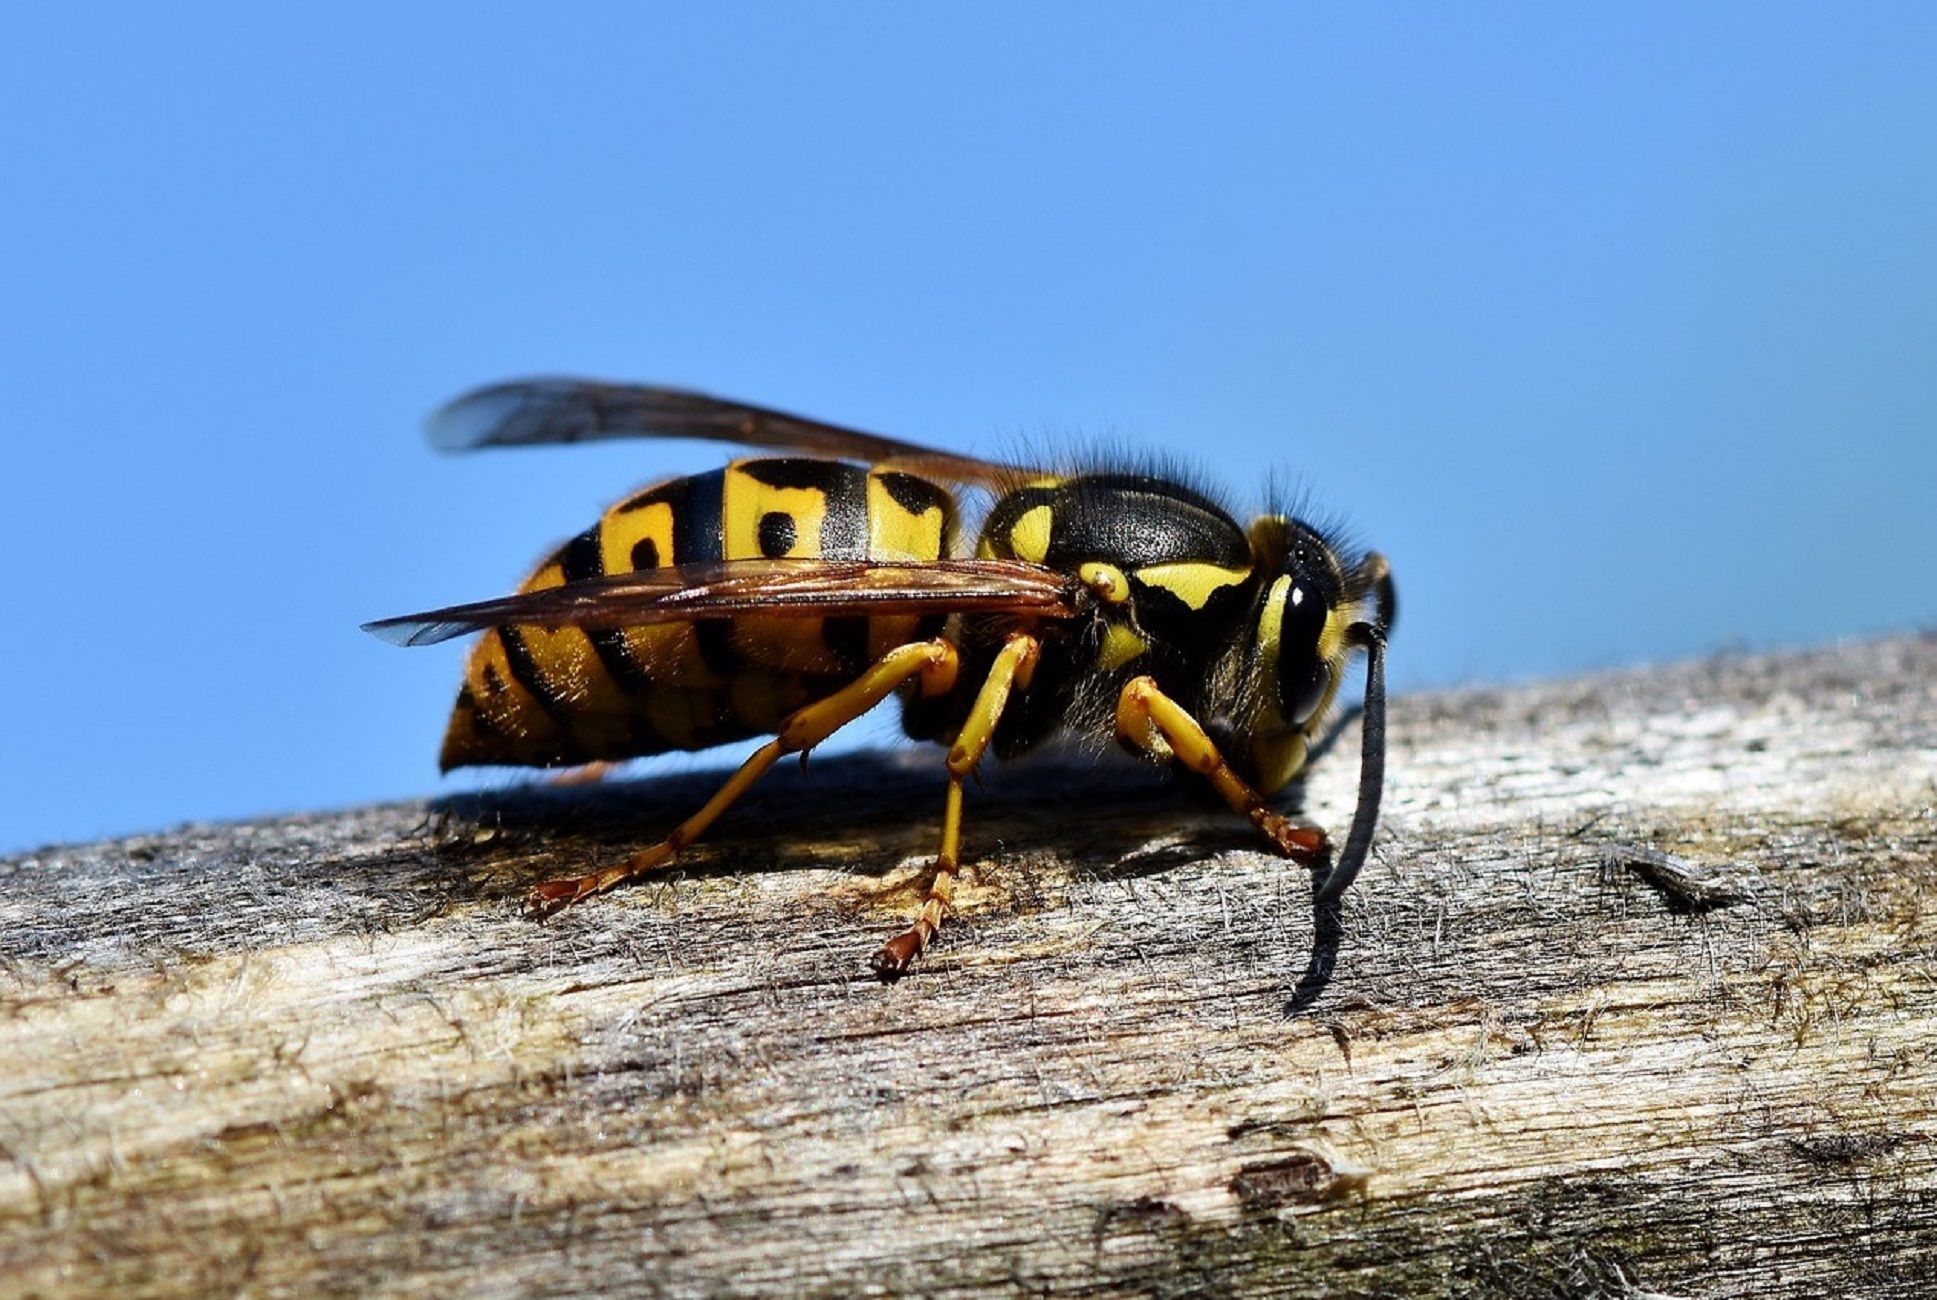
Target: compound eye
[{"x": 1303, "y": 676}]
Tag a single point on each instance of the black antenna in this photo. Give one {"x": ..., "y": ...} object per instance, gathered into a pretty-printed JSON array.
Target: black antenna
[{"x": 1372, "y": 753}]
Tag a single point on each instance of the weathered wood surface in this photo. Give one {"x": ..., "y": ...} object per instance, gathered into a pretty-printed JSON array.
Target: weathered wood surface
[{"x": 327, "y": 1054}]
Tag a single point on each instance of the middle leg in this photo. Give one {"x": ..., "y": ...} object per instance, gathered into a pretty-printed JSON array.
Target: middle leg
[{"x": 1013, "y": 667}]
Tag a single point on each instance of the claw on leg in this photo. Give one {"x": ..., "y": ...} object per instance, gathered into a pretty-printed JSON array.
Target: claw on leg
[
  {"x": 897, "y": 955},
  {"x": 1013, "y": 667},
  {"x": 1302, "y": 843},
  {"x": 1151, "y": 721},
  {"x": 550, "y": 896},
  {"x": 894, "y": 957}
]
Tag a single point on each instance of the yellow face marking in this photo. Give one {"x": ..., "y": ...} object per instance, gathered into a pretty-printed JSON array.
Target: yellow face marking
[
  {"x": 1271, "y": 622},
  {"x": 1271, "y": 626},
  {"x": 745, "y": 501},
  {"x": 1277, "y": 755},
  {"x": 1120, "y": 646},
  {"x": 1190, "y": 581},
  {"x": 1106, "y": 580},
  {"x": 1029, "y": 535}
]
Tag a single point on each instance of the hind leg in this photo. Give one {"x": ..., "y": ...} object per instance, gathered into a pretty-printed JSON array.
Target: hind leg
[{"x": 934, "y": 663}]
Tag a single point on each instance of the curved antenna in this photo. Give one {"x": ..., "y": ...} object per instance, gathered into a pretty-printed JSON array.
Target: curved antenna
[
  {"x": 1365, "y": 820},
  {"x": 1371, "y": 767}
]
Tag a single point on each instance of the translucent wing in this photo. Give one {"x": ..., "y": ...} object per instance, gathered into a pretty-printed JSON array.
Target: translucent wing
[
  {"x": 799, "y": 588},
  {"x": 528, "y": 412}
]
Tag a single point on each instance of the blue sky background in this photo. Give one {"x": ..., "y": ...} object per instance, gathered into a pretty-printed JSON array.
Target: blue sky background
[{"x": 1615, "y": 328}]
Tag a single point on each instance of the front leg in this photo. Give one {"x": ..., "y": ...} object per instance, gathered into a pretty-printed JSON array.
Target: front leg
[{"x": 1153, "y": 723}]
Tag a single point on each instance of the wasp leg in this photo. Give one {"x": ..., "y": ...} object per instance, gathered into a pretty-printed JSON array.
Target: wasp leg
[
  {"x": 933, "y": 662},
  {"x": 1013, "y": 666},
  {"x": 1152, "y": 722}
]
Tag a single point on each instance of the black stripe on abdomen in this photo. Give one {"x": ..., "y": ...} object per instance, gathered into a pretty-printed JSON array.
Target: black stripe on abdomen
[
  {"x": 517, "y": 656},
  {"x": 915, "y": 495},
  {"x": 699, "y": 536},
  {"x": 578, "y": 560},
  {"x": 844, "y": 499}
]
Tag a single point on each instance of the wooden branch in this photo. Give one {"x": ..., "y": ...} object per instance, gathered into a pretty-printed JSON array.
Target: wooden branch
[{"x": 1636, "y": 994}]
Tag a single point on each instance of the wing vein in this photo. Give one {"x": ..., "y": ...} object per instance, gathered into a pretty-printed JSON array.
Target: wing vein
[{"x": 781, "y": 588}]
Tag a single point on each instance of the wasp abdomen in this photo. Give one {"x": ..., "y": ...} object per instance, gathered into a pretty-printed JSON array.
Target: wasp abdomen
[{"x": 535, "y": 696}]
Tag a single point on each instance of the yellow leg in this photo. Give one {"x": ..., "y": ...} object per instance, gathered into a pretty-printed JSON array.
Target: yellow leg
[
  {"x": 1013, "y": 667},
  {"x": 933, "y": 662},
  {"x": 1144, "y": 714}
]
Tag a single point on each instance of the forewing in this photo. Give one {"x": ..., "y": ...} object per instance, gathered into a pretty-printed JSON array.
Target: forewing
[
  {"x": 796, "y": 588},
  {"x": 529, "y": 412}
]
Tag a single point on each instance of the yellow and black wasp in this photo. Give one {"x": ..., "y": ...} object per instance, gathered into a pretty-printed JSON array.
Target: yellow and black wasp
[{"x": 786, "y": 596}]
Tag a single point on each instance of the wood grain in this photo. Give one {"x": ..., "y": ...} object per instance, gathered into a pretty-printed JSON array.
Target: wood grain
[{"x": 1636, "y": 995}]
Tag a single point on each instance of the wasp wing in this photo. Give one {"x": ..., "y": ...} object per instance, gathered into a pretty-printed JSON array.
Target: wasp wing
[
  {"x": 530, "y": 412},
  {"x": 788, "y": 588}
]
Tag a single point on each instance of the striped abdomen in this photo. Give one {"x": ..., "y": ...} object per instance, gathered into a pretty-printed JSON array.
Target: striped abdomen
[{"x": 538, "y": 697}]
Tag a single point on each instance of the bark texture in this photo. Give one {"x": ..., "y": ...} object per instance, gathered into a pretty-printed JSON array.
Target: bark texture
[{"x": 1636, "y": 995}]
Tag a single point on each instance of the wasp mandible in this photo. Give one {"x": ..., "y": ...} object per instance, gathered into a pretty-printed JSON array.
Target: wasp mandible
[{"x": 786, "y": 596}]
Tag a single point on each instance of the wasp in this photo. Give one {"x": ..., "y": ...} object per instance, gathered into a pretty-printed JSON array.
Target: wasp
[{"x": 786, "y": 595}]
